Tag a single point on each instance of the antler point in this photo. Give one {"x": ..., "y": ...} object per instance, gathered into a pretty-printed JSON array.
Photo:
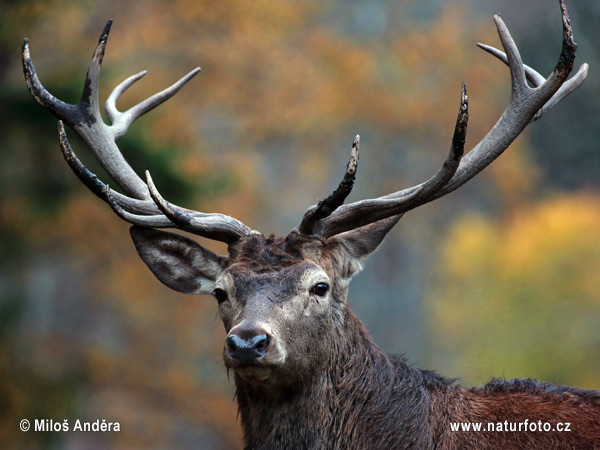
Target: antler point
[{"x": 26, "y": 54}]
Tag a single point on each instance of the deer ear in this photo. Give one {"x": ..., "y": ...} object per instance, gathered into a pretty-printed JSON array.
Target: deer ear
[
  {"x": 178, "y": 262},
  {"x": 350, "y": 249}
]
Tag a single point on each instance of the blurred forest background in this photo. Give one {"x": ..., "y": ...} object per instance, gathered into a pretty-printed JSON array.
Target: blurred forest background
[{"x": 501, "y": 278}]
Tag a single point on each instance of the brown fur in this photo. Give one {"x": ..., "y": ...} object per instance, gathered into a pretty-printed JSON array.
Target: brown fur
[
  {"x": 519, "y": 400},
  {"x": 324, "y": 383}
]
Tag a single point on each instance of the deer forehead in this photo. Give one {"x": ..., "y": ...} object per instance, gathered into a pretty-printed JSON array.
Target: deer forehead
[{"x": 274, "y": 284}]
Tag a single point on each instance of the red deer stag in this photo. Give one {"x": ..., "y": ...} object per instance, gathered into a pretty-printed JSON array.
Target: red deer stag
[{"x": 307, "y": 374}]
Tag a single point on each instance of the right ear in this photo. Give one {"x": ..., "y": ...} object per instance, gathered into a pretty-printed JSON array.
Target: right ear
[{"x": 178, "y": 262}]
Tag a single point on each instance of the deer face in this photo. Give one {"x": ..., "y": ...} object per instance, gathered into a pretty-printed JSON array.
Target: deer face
[
  {"x": 275, "y": 302},
  {"x": 277, "y": 321},
  {"x": 281, "y": 300}
]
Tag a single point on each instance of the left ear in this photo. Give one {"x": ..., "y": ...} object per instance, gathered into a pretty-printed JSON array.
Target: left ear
[{"x": 350, "y": 249}]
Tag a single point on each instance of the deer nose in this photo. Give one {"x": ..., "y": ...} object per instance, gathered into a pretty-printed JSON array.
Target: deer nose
[{"x": 246, "y": 346}]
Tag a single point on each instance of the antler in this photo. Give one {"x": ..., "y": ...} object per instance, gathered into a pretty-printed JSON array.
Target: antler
[
  {"x": 526, "y": 105},
  {"x": 142, "y": 204}
]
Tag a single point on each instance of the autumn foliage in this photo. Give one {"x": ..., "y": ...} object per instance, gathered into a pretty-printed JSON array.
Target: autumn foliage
[{"x": 499, "y": 279}]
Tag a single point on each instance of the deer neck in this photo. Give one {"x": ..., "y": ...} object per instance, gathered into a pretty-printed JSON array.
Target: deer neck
[{"x": 340, "y": 403}]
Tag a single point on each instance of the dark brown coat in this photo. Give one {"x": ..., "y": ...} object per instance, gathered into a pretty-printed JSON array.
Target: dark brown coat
[{"x": 324, "y": 384}]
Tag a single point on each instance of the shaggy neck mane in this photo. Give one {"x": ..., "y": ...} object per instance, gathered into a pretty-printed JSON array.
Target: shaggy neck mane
[
  {"x": 362, "y": 398},
  {"x": 342, "y": 403}
]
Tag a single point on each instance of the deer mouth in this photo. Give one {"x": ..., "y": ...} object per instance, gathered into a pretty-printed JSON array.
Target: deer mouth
[{"x": 253, "y": 373}]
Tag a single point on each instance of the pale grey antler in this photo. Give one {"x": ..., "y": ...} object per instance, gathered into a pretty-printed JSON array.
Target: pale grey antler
[
  {"x": 526, "y": 104},
  {"x": 536, "y": 79},
  {"x": 142, "y": 205}
]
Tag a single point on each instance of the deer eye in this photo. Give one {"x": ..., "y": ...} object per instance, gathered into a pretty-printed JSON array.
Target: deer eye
[
  {"x": 220, "y": 295},
  {"x": 320, "y": 289}
]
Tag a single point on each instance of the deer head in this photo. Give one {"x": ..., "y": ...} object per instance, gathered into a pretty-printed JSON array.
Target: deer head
[{"x": 282, "y": 300}]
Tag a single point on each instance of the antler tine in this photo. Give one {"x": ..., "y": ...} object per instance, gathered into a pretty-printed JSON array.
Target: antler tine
[
  {"x": 536, "y": 79},
  {"x": 137, "y": 206},
  {"x": 563, "y": 91},
  {"x": 110, "y": 107},
  {"x": 515, "y": 63},
  {"x": 533, "y": 76},
  {"x": 151, "y": 221},
  {"x": 57, "y": 107},
  {"x": 122, "y": 121},
  {"x": 452, "y": 162},
  {"x": 213, "y": 226},
  {"x": 89, "y": 96},
  {"x": 526, "y": 104},
  {"x": 326, "y": 206}
]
